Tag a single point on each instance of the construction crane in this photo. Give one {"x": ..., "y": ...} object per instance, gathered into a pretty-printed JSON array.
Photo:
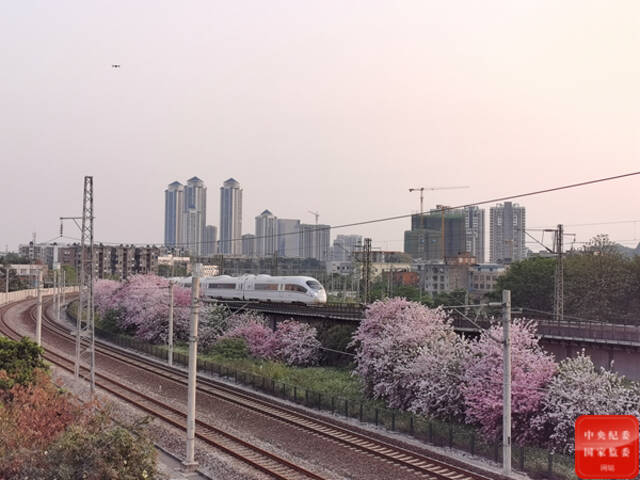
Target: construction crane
[
  {"x": 315, "y": 214},
  {"x": 422, "y": 189}
]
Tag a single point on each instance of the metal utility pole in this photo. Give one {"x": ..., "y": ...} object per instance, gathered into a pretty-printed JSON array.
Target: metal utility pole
[
  {"x": 64, "y": 286},
  {"x": 59, "y": 286},
  {"x": 558, "y": 304},
  {"x": 505, "y": 342},
  {"x": 39, "y": 315},
  {"x": 366, "y": 269},
  {"x": 506, "y": 395},
  {"x": 443, "y": 250},
  {"x": 55, "y": 292},
  {"x": 170, "y": 338},
  {"x": 85, "y": 303},
  {"x": 190, "y": 464},
  {"x": 7, "y": 269}
]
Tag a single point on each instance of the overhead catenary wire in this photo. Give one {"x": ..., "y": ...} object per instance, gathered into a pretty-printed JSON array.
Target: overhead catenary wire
[{"x": 396, "y": 217}]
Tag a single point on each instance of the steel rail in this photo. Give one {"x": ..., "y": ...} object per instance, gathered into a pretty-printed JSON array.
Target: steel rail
[
  {"x": 257, "y": 457},
  {"x": 436, "y": 469}
]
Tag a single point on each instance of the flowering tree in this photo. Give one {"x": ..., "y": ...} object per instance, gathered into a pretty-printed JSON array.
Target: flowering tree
[
  {"x": 435, "y": 377},
  {"x": 256, "y": 334},
  {"x": 103, "y": 291},
  {"x": 143, "y": 301},
  {"x": 531, "y": 371},
  {"x": 295, "y": 343},
  {"x": 392, "y": 335},
  {"x": 580, "y": 389}
]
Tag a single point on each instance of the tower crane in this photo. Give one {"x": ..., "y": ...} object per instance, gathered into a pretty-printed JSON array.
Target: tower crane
[
  {"x": 422, "y": 189},
  {"x": 315, "y": 214}
]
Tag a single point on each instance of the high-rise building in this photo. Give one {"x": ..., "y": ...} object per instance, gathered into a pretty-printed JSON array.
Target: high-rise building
[
  {"x": 230, "y": 217},
  {"x": 474, "y": 232},
  {"x": 344, "y": 246},
  {"x": 266, "y": 233},
  {"x": 173, "y": 209},
  {"x": 210, "y": 235},
  {"x": 194, "y": 217},
  {"x": 249, "y": 245},
  {"x": 288, "y": 241},
  {"x": 315, "y": 241},
  {"x": 424, "y": 240},
  {"x": 507, "y": 233}
]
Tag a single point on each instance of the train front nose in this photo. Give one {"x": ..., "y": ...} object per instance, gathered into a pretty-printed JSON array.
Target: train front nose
[{"x": 321, "y": 296}]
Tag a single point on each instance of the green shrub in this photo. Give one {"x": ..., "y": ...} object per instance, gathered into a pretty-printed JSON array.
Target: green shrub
[
  {"x": 19, "y": 360},
  {"x": 109, "y": 321},
  {"x": 231, "y": 348},
  {"x": 336, "y": 338},
  {"x": 99, "y": 450}
]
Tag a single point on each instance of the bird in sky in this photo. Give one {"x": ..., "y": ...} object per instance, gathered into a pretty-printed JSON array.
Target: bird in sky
[{"x": 115, "y": 65}]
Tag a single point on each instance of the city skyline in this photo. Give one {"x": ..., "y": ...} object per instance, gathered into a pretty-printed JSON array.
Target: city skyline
[
  {"x": 185, "y": 216},
  {"x": 340, "y": 112}
]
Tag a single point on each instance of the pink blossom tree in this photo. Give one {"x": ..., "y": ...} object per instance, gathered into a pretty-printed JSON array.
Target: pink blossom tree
[
  {"x": 103, "y": 291},
  {"x": 389, "y": 339},
  {"x": 256, "y": 334},
  {"x": 435, "y": 377},
  {"x": 295, "y": 343},
  {"x": 580, "y": 389},
  {"x": 144, "y": 303},
  {"x": 531, "y": 372}
]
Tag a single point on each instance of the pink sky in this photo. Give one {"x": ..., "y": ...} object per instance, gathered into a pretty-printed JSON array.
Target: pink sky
[{"x": 332, "y": 106}]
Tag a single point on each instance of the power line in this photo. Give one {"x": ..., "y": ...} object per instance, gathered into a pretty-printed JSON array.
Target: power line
[{"x": 398, "y": 217}]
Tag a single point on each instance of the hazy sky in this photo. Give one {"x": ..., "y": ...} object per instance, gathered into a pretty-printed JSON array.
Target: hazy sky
[{"x": 336, "y": 106}]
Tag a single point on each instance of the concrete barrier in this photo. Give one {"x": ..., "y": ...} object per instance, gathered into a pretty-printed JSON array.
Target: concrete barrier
[{"x": 20, "y": 295}]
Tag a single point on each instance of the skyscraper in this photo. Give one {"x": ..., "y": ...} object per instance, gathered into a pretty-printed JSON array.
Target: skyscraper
[
  {"x": 507, "y": 227},
  {"x": 266, "y": 232},
  {"x": 210, "y": 235},
  {"x": 288, "y": 242},
  {"x": 195, "y": 215},
  {"x": 424, "y": 240},
  {"x": 315, "y": 241},
  {"x": 474, "y": 232},
  {"x": 230, "y": 218},
  {"x": 173, "y": 208}
]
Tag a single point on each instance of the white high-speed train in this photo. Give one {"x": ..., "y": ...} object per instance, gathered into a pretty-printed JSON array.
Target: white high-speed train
[{"x": 262, "y": 288}]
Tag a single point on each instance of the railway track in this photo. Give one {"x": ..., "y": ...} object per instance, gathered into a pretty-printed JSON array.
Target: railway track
[
  {"x": 262, "y": 460},
  {"x": 406, "y": 459}
]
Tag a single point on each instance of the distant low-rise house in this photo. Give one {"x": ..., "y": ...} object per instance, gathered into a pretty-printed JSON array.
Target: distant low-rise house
[{"x": 483, "y": 277}]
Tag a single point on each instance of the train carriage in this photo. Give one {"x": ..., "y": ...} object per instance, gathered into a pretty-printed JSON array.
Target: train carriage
[{"x": 262, "y": 288}]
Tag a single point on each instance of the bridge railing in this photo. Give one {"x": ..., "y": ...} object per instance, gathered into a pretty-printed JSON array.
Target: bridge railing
[{"x": 571, "y": 328}]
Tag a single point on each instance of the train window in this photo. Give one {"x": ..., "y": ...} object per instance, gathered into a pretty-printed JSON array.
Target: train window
[
  {"x": 295, "y": 288},
  {"x": 266, "y": 286},
  {"x": 314, "y": 285},
  {"x": 227, "y": 286}
]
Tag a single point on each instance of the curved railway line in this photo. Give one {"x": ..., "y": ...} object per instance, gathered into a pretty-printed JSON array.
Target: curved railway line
[{"x": 405, "y": 459}]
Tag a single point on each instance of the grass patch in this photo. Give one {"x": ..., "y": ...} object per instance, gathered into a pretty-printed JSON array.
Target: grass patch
[{"x": 327, "y": 381}]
